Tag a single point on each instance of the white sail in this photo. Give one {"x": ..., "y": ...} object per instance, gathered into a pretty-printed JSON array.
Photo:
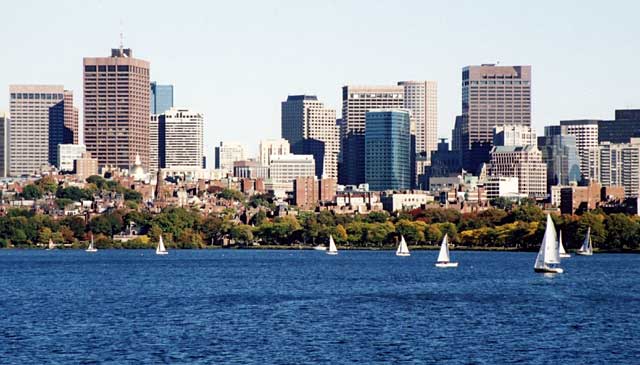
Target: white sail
[
  {"x": 587, "y": 247},
  {"x": 443, "y": 256},
  {"x": 160, "y": 249},
  {"x": 561, "y": 246},
  {"x": 91, "y": 247},
  {"x": 403, "y": 249},
  {"x": 51, "y": 245},
  {"x": 333, "y": 250},
  {"x": 549, "y": 253}
]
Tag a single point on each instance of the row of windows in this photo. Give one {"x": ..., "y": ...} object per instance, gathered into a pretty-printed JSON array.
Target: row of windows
[{"x": 36, "y": 96}]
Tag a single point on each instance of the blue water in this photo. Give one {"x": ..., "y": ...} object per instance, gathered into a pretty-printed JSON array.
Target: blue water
[{"x": 295, "y": 307}]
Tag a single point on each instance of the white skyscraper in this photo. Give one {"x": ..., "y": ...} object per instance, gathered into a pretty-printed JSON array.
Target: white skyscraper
[
  {"x": 180, "y": 138},
  {"x": 273, "y": 147},
  {"x": 514, "y": 135},
  {"x": 586, "y": 133},
  {"x": 228, "y": 153},
  {"x": 421, "y": 98}
]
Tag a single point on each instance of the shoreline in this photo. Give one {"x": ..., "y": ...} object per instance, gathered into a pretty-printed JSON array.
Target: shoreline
[{"x": 340, "y": 248}]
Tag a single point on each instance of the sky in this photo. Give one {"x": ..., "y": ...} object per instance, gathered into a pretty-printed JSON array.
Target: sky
[{"x": 236, "y": 61}]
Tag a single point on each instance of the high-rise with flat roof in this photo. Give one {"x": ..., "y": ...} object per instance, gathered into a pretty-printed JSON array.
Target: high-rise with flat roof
[
  {"x": 526, "y": 164},
  {"x": 3, "y": 144},
  {"x": 161, "y": 98},
  {"x": 228, "y": 153},
  {"x": 37, "y": 126},
  {"x": 311, "y": 128},
  {"x": 421, "y": 98},
  {"x": 116, "y": 108},
  {"x": 388, "y": 150},
  {"x": 356, "y": 102},
  {"x": 491, "y": 96},
  {"x": 586, "y": 133},
  {"x": 180, "y": 138},
  {"x": 273, "y": 147}
]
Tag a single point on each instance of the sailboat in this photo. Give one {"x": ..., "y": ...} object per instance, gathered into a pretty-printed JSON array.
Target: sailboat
[
  {"x": 403, "y": 250},
  {"x": 333, "y": 250},
  {"x": 51, "y": 246},
  {"x": 587, "y": 246},
  {"x": 160, "y": 249},
  {"x": 444, "y": 259},
  {"x": 549, "y": 255},
  {"x": 91, "y": 247},
  {"x": 563, "y": 252}
]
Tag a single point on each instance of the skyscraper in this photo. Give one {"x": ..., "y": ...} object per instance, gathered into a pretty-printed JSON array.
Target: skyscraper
[
  {"x": 560, "y": 154},
  {"x": 421, "y": 98},
  {"x": 620, "y": 166},
  {"x": 491, "y": 96},
  {"x": 161, "y": 98},
  {"x": 388, "y": 149},
  {"x": 311, "y": 128},
  {"x": 3, "y": 144},
  {"x": 154, "y": 158},
  {"x": 228, "y": 153},
  {"x": 273, "y": 147},
  {"x": 586, "y": 133},
  {"x": 37, "y": 126},
  {"x": 356, "y": 101},
  {"x": 116, "y": 108},
  {"x": 526, "y": 164},
  {"x": 180, "y": 138}
]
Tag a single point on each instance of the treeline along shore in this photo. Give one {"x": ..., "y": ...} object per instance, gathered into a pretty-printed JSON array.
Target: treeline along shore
[{"x": 518, "y": 227}]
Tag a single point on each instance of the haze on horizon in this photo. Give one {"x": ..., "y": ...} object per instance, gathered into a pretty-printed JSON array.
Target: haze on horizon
[{"x": 236, "y": 61}]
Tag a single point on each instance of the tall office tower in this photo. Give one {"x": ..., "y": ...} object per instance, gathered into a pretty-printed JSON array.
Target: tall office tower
[
  {"x": 286, "y": 168},
  {"x": 311, "y": 129},
  {"x": 620, "y": 166},
  {"x": 36, "y": 126},
  {"x": 63, "y": 126},
  {"x": 620, "y": 130},
  {"x": 526, "y": 164},
  {"x": 161, "y": 98},
  {"x": 3, "y": 144},
  {"x": 388, "y": 149},
  {"x": 116, "y": 108},
  {"x": 273, "y": 147},
  {"x": 513, "y": 135},
  {"x": 421, "y": 97},
  {"x": 228, "y": 153},
  {"x": 561, "y": 156},
  {"x": 586, "y": 133},
  {"x": 491, "y": 96},
  {"x": 154, "y": 159},
  {"x": 180, "y": 138},
  {"x": 356, "y": 101}
]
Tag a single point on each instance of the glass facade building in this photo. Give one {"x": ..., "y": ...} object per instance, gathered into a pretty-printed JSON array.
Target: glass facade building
[
  {"x": 560, "y": 154},
  {"x": 161, "y": 98},
  {"x": 388, "y": 149}
]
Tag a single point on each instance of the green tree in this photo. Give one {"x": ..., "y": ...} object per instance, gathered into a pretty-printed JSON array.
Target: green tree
[
  {"x": 242, "y": 233},
  {"x": 32, "y": 192}
]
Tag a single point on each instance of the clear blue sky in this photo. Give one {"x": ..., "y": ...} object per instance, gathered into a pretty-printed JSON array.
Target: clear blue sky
[{"x": 236, "y": 61}]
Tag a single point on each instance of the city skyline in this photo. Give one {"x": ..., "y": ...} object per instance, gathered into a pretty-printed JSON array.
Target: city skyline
[{"x": 214, "y": 76}]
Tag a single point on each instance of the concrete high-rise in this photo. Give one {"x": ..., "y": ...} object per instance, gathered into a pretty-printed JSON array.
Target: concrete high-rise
[
  {"x": 4, "y": 121},
  {"x": 560, "y": 154},
  {"x": 37, "y": 126},
  {"x": 311, "y": 128},
  {"x": 161, "y": 98},
  {"x": 526, "y": 164},
  {"x": 513, "y": 135},
  {"x": 356, "y": 102},
  {"x": 116, "y": 108},
  {"x": 421, "y": 98},
  {"x": 388, "y": 149},
  {"x": 180, "y": 138},
  {"x": 620, "y": 166},
  {"x": 586, "y": 133},
  {"x": 273, "y": 147},
  {"x": 228, "y": 153},
  {"x": 491, "y": 96}
]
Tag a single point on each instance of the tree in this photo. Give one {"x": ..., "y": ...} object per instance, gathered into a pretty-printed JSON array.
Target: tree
[
  {"x": 242, "y": 233},
  {"x": 501, "y": 203},
  {"x": 32, "y": 192},
  {"x": 230, "y": 194},
  {"x": 47, "y": 184},
  {"x": 412, "y": 231},
  {"x": 377, "y": 217}
]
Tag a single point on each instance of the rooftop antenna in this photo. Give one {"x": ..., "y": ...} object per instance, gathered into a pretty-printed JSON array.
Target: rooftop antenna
[{"x": 121, "y": 37}]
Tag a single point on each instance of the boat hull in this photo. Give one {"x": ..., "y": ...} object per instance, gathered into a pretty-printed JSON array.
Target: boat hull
[
  {"x": 403, "y": 254},
  {"x": 564, "y": 255},
  {"x": 320, "y": 248},
  {"x": 91, "y": 250},
  {"x": 444, "y": 265},
  {"x": 162, "y": 252},
  {"x": 331, "y": 253},
  {"x": 549, "y": 270},
  {"x": 584, "y": 253}
]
